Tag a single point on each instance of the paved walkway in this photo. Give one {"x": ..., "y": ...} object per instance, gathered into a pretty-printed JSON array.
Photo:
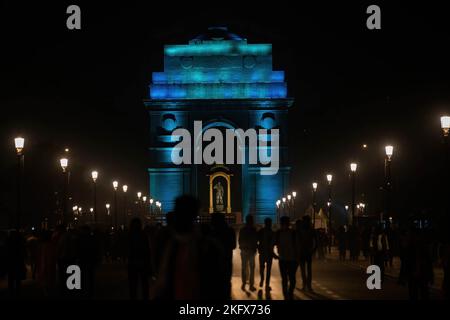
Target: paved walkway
[
  {"x": 332, "y": 280},
  {"x": 390, "y": 271}
]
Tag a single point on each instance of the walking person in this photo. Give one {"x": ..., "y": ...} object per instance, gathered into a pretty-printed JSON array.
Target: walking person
[
  {"x": 342, "y": 243},
  {"x": 248, "y": 242},
  {"x": 15, "y": 261},
  {"x": 139, "y": 263},
  {"x": 419, "y": 266},
  {"x": 285, "y": 242},
  {"x": 266, "y": 243},
  {"x": 226, "y": 237},
  {"x": 306, "y": 244},
  {"x": 193, "y": 263},
  {"x": 380, "y": 247}
]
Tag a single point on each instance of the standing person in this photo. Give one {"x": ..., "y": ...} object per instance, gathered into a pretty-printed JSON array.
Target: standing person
[
  {"x": 419, "y": 266},
  {"x": 321, "y": 243},
  {"x": 32, "y": 243},
  {"x": 192, "y": 267},
  {"x": 266, "y": 243},
  {"x": 15, "y": 261},
  {"x": 365, "y": 240},
  {"x": 46, "y": 264},
  {"x": 285, "y": 242},
  {"x": 248, "y": 242},
  {"x": 381, "y": 247},
  {"x": 306, "y": 245},
  {"x": 226, "y": 237},
  {"x": 139, "y": 267},
  {"x": 342, "y": 243}
]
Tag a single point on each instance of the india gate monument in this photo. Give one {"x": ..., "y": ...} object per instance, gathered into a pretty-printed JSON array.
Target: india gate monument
[{"x": 222, "y": 80}]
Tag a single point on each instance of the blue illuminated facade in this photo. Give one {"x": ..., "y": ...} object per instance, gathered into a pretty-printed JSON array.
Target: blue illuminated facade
[{"x": 220, "y": 79}]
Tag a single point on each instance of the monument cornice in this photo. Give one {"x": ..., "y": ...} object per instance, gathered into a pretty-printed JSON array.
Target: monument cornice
[{"x": 227, "y": 104}]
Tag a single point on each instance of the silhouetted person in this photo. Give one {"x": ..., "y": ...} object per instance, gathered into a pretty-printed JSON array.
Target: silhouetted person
[
  {"x": 419, "y": 266},
  {"x": 15, "y": 260},
  {"x": 321, "y": 243},
  {"x": 138, "y": 260},
  {"x": 226, "y": 237},
  {"x": 380, "y": 246},
  {"x": 46, "y": 264},
  {"x": 266, "y": 243},
  {"x": 446, "y": 269},
  {"x": 67, "y": 254},
  {"x": 32, "y": 249},
  {"x": 193, "y": 265},
  {"x": 365, "y": 240},
  {"x": 162, "y": 238},
  {"x": 341, "y": 238},
  {"x": 88, "y": 258},
  {"x": 306, "y": 245},
  {"x": 248, "y": 242},
  {"x": 353, "y": 242},
  {"x": 286, "y": 245}
]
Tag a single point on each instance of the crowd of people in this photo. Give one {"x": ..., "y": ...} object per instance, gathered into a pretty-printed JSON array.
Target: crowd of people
[{"x": 184, "y": 260}]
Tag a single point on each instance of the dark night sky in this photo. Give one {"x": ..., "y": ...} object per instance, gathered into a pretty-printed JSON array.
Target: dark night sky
[{"x": 84, "y": 89}]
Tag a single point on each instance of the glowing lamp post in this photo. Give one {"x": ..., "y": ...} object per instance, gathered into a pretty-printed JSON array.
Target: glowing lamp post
[
  {"x": 139, "y": 195},
  {"x": 314, "y": 186},
  {"x": 115, "y": 186},
  {"x": 353, "y": 167},
  {"x": 151, "y": 206},
  {"x": 278, "y": 204},
  {"x": 445, "y": 125},
  {"x": 389, "y": 150},
  {"x": 64, "y": 163},
  {"x": 94, "y": 175},
  {"x": 125, "y": 189},
  {"x": 19, "y": 144},
  {"x": 329, "y": 180}
]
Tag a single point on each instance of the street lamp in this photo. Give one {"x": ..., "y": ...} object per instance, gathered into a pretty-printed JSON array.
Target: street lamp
[
  {"x": 125, "y": 189},
  {"x": 108, "y": 206},
  {"x": 445, "y": 125},
  {"x": 314, "y": 185},
  {"x": 158, "y": 204},
  {"x": 151, "y": 206},
  {"x": 294, "y": 196},
  {"x": 353, "y": 167},
  {"x": 144, "y": 203},
  {"x": 19, "y": 144},
  {"x": 389, "y": 150},
  {"x": 139, "y": 195},
  {"x": 115, "y": 186},
  {"x": 64, "y": 162},
  {"x": 329, "y": 180},
  {"x": 289, "y": 204},
  {"x": 94, "y": 175}
]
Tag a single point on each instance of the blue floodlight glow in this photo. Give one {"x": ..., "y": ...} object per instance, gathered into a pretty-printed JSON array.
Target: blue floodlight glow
[
  {"x": 218, "y": 69},
  {"x": 219, "y": 91},
  {"x": 218, "y": 48}
]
